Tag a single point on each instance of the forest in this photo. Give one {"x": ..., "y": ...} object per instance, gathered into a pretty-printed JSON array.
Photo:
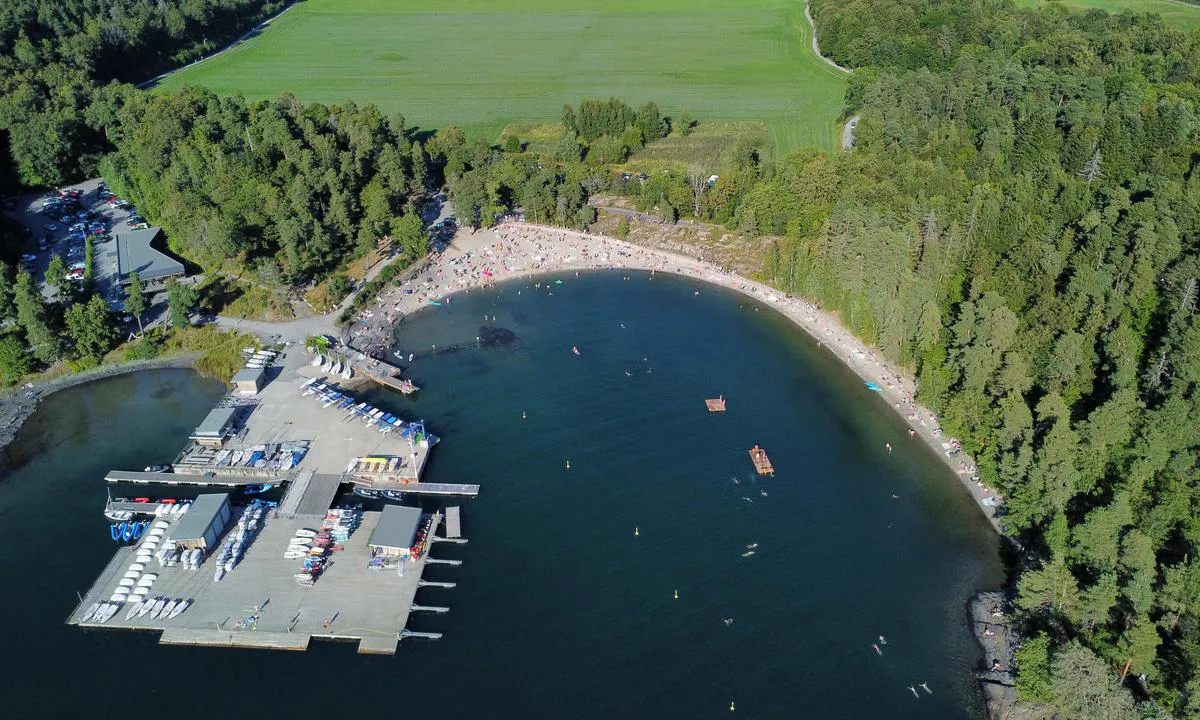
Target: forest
[
  {"x": 1018, "y": 223},
  {"x": 58, "y": 59}
]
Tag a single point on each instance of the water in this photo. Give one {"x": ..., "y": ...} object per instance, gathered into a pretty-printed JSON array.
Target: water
[{"x": 561, "y": 610}]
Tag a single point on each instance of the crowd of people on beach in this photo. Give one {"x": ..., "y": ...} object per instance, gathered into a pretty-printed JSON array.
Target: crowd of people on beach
[{"x": 480, "y": 259}]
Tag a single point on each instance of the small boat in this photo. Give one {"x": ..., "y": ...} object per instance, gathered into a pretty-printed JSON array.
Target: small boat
[
  {"x": 156, "y": 611},
  {"x": 147, "y": 606},
  {"x": 306, "y": 533},
  {"x": 134, "y": 607},
  {"x": 140, "y": 591},
  {"x": 138, "y": 529},
  {"x": 393, "y": 495},
  {"x": 118, "y": 515},
  {"x": 179, "y": 608},
  {"x": 119, "y": 597},
  {"x": 434, "y": 302},
  {"x": 347, "y": 373},
  {"x": 137, "y": 566},
  {"x": 157, "y": 468},
  {"x": 257, "y": 488},
  {"x": 218, "y": 573},
  {"x": 115, "y": 531},
  {"x": 367, "y": 493},
  {"x": 127, "y": 531},
  {"x": 161, "y": 524},
  {"x": 141, "y": 499},
  {"x": 316, "y": 361},
  {"x": 167, "y": 609},
  {"x": 872, "y": 386},
  {"x": 90, "y": 612},
  {"x": 126, "y": 582}
]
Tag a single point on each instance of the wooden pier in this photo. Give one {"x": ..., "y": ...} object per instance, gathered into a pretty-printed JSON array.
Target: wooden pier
[
  {"x": 761, "y": 462},
  {"x": 453, "y": 522},
  {"x": 716, "y": 404}
]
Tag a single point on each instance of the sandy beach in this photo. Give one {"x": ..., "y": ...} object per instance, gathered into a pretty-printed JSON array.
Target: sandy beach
[{"x": 512, "y": 250}]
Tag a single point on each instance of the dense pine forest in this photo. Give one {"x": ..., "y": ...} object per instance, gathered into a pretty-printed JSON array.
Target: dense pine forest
[
  {"x": 1019, "y": 222},
  {"x": 58, "y": 58}
]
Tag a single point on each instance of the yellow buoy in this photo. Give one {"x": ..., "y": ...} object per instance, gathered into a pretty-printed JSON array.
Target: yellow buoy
[{"x": 676, "y": 594}]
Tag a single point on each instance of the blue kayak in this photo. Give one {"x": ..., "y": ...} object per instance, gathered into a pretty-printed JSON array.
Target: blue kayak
[
  {"x": 434, "y": 302},
  {"x": 873, "y": 386},
  {"x": 115, "y": 530},
  {"x": 138, "y": 528},
  {"x": 127, "y": 531}
]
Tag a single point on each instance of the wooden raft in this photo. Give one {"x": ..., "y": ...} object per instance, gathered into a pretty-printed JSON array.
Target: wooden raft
[
  {"x": 761, "y": 463},
  {"x": 716, "y": 404}
]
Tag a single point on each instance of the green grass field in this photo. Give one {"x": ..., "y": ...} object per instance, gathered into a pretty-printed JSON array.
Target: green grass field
[
  {"x": 1173, "y": 12},
  {"x": 466, "y": 63}
]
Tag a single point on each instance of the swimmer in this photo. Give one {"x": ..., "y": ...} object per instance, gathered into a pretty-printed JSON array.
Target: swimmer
[
  {"x": 888, "y": 446},
  {"x": 914, "y": 691},
  {"x": 747, "y": 499},
  {"x": 763, "y": 493},
  {"x": 727, "y": 621},
  {"x": 751, "y": 546},
  {"x": 882, "y": 640},
  {"x": 926, "y": 688},
  {"x": 877, "y": 650}
]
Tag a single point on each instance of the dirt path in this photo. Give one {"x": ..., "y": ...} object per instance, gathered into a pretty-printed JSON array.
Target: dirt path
[{"x": 817, "y": 48}]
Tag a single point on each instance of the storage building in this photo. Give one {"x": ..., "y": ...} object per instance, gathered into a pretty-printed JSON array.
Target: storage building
[
  {"x": 248, "y": 381},
  {"x": 204, "y": 522},
  {"x": 218, "y": 425},
  {"x": 393, "y": 536}
]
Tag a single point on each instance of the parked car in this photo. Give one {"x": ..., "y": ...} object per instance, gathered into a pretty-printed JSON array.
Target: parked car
[
  {"x": 66, "y": 220},
  {"x": 77, "y": 265},
  {"x": 75, "y": 274},
  {"x": 138, "y": 226},
  {"x": 28, "y": 257},
  {"x": 51, "y": 227}
]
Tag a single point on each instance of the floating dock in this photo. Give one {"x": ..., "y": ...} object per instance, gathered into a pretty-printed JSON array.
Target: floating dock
[
  {"x": 716, "y": 404},
  {"x": 761, "y": 462},
  {"x": 424, "y": 488},
  {"x": 259, "y": 604},
  {"x": 453, "y": 522}
]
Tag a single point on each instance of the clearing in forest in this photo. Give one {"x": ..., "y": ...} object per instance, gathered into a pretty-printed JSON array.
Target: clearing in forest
[{"x": 480, "y": 66}]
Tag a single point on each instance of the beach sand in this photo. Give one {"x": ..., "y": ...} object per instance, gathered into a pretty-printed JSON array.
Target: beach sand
[{"x": 478, "y": 259}]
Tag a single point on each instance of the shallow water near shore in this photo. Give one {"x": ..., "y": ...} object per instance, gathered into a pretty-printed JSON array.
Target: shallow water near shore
[{"x": 561, "y": 610}]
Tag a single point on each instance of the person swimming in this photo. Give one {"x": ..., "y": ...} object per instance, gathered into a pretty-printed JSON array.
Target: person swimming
[
  {"x": 574, "y": 349},
  {"x": 877, "y": 650}
]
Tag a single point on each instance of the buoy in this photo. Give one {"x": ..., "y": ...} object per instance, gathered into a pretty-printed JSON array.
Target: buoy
[
  {"x": 730, "y": 707},
  {"x": 635, "y": 532},
  {"x": 568, "y": 464},
  {"x": 522, "y": 414},
  {"x": 676, "y": 594}
]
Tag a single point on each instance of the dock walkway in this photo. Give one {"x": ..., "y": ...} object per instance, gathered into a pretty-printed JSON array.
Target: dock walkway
[
  {"x": 424, "y": 488},
  {"x": 453, "y": 522}
]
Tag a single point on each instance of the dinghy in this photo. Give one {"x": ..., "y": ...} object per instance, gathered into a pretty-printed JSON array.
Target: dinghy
[
  {"x": 134, "y": 607},
  {"x": 126, "y": 582},
  {"x": 133, "y": 574},
  {"x": 347, "y": 373},
  {"x": 167, "y": 609},
  {"x": 161, "y": 524},
  {"x": 116, "y": 531},
  {"x": 218, "y": 573},
  {"x": 156, "y": 611},
  {"x": 147, "y": 606},
  {"x": 306, "y": 533},
  {"x": 137, "y": 566},
  {"x": 118, "y": 597},
  {"x": 293, "y": 555},
  {"x": 316, "y": 361},
  {"x": 90, "y": 612},
  {"x": 179, "y": 608}
]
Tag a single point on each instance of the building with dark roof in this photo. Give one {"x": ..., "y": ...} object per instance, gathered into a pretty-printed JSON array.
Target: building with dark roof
[
  {"x": 134, "y": 254},
  {"x": 396, "y": 530},
  {"x": 204, "y": 522}
]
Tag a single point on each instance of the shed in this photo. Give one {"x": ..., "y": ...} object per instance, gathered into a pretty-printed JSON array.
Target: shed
[
  {"x": 248, "y": 380},
  {"x": 394, "y": 533},
  {"x": 216, "y": 427},
  {"x": 204, "y": 522}
]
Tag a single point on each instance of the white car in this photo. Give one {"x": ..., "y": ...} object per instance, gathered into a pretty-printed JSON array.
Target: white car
[{"x": 28, "y": 257}]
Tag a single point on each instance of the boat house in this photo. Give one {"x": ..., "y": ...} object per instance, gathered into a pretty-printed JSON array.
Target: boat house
[
  {"x": 397, "y": 529},
  {"x": 219, "y": 425},
  {"x": 204, "y": 522},
  {"x": 248, "y": 381},
  {"x": 134, "y": 254}
]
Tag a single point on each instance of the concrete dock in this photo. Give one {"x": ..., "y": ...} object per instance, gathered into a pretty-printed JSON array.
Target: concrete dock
[{"x": 259, "y": 603}]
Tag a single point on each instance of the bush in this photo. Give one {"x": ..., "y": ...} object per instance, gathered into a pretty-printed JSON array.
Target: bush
[
  {"x": 622, "y": 230},
  {"x": 512, "y": 144}
]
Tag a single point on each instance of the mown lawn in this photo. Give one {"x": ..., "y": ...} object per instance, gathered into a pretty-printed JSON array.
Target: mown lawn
[
  {"x": 1174, "y": 12},
  {"x": 481, "y": 66}
]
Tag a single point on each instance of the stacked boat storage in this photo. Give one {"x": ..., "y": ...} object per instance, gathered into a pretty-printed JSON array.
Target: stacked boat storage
[
  {"x": 234, "y": 547},
  {"x": 385, "y": 422},
  {"x": 314, "y": 547}
]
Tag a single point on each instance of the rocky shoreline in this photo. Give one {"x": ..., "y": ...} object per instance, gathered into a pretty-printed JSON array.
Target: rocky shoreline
[{"x": 18, "y": 404}]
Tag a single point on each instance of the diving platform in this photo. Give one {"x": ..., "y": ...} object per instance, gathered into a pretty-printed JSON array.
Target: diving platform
[
  {"x": 433, "y": 583},
  {"x": 715, "y": 404},
  {"x": 406, "y": 633},
  {"x": 761, "y": 462},
  {"x": 439, "y": 561},
  {"x": 429, "y": 608}
]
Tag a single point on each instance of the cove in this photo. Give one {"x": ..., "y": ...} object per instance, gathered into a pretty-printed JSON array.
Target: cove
[{"x": 560, "y": 609}]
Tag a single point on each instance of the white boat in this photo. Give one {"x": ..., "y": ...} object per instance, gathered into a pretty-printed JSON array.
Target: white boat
[
  {"x": 126, "y": 582},
  {"x": 219, "y": 573},
  {"x": 230, "y": 564},
  {"x": 306, "y": 533},
  {"x": 167, "y": 609},
  {"x": 316, "y": 361},
  {"x": 119, "y": 597},
  {"x": 161, "y": 524},
  {"x": 90, "y": 612},
  {"x": 138, "y": 567},
  {"x": 133, "y": 609},
  {"x": 102, "y": 613},
  {"x": 140, "y": 593},
  {"x": 179, "y": 608},
  {"x": 154, "y": 532},
  {"x": 293, "y": 555},
  {"x": 133, "y": 574},
  {"x": 347, "y": 373},
  {"x": 155, "y": 611},
  {"x": 145, "y": 583},
  {"x": 147, "y": 606},
  {"x": 326, "y": 365}
]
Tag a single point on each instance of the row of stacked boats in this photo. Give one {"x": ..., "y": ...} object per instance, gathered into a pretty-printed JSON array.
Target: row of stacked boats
[
  {"x": 234, "y": 547},
  {"x": 170, "y": 555},
  {"x": 331, "y": 365},
  {"x": 330, "y": 396},
  {"x": 157, "y": 608}
]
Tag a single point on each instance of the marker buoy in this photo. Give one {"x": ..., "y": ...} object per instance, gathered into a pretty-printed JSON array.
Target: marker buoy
[
  {"x": 568, "y": 464},
  {"x": 676, "y": 594},
  {"x": 731, "y": 709},
  {"x": 635, "y": 532}
]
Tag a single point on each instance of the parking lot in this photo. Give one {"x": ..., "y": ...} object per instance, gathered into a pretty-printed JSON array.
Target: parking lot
[{"x": 57, "y": 230}]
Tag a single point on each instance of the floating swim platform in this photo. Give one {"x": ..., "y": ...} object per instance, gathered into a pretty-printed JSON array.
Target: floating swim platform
[
  {"x": 716, "y": 404},
  {"x": 761, "y": 462}
]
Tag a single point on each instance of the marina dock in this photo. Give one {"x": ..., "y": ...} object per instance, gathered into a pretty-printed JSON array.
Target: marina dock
[
  {"x": 453, "y": 522},
  {"x": 259, "y": 604},
  {"x": 424, "y": 488}
]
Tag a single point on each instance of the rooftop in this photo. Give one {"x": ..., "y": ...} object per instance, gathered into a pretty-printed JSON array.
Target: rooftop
[
  {"x": 249, "y": 374},
  {"x": 397, "y": 526},
  {"x": 135, "y": 254},
  {"x": 216, "y": 422},
  {"x": 199, "y": 516}
]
